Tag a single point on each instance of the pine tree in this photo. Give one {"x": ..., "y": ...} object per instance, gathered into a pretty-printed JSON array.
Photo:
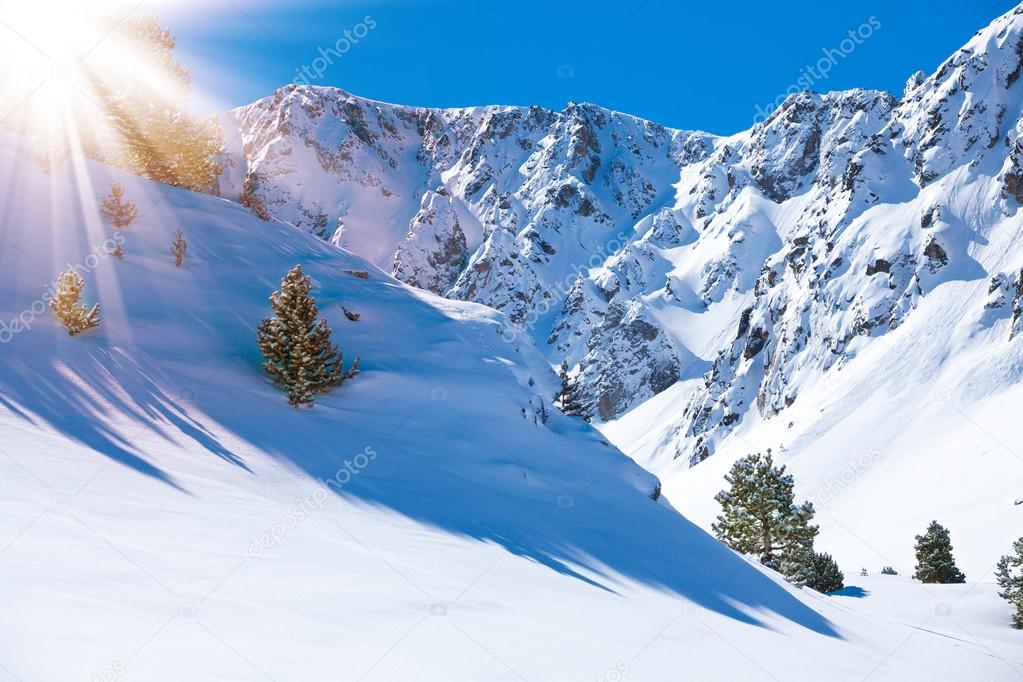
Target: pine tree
[
  {"x": 150, "y": 131},
  {"x": 75, "y": 317},
  {"x": 296, "y": 343},
  {"x": 569, "y": 399},
  {"x": 934, "y": 560},
  {"x": 760, "y": 517},
  {"x": 822, "y": 573},
  {"x": 250, "y": 200},
  {"x": 120, "y": 213},
  {"x": 178, "y": 248},
  {"x": 1009, "y": 575}
]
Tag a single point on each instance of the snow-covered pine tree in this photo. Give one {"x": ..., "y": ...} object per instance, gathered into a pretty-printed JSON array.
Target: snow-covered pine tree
[
  {"x": 296, "y": 343},
  {"x": 1009, "y": 575},
  {"x": 178, "y": 248},
  {"x": 934, "y": 560},
  {"x": 75, "y": 316},
  {"x": 822, "y": 573},
  {"x": 760, "y": 516},
  {"x": 120, "y": 213},
  {"x": 569, "y": 399}
]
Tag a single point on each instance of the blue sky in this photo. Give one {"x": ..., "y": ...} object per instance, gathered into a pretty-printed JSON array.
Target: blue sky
[{"x": 706, "y": 65}]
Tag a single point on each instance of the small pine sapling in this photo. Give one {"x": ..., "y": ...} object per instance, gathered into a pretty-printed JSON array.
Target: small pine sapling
[
  {"x": 178, "y": 248},
  {"x": 75, "y": 316},
  {"x": 50, "y": 155},
  {"x": 120, "y": 213}
]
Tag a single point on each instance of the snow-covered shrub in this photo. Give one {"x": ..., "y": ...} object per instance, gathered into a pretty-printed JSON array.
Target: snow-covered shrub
[{"x": 75, "y": 316}]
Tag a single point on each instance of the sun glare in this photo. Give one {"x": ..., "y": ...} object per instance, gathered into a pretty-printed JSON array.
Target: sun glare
[{"x": 55, "y": 56}]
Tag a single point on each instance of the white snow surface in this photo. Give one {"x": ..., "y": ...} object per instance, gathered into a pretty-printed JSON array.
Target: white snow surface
[{"x": 164, "y": 515}]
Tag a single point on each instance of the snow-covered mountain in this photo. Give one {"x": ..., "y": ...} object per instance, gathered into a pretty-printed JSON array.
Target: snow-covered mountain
[
  {"x": 758, "y": 263},
  {"x": 505, "y": 206},
  {"x": 841, "y": 280},
  {"x": 166, "y": 515}
]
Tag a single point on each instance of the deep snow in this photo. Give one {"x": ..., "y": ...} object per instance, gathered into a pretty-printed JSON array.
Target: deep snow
[{"x": 164, "y": 514}]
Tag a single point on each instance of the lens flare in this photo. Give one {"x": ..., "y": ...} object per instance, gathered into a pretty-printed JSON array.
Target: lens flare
[{"x": 59, "y": 62}]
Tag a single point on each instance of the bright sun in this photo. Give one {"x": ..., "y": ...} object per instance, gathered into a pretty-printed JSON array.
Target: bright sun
[{"x": 51, "y": 52}]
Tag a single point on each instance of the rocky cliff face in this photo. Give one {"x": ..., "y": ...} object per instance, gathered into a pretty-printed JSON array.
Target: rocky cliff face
[
  {"x": 748, "y": 265},
  {"x": 511, "y": 207}
]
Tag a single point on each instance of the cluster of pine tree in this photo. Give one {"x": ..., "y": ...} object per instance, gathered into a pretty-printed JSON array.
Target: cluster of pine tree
[
  {"x": 296, "y": 343},
  {"x": 121, "y": 214},
  {"x": 760, "y": 517}
]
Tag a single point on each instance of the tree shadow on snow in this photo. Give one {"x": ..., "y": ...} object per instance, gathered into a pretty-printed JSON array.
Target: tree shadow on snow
[
  {"x": 559, "y": 505},
  {"x": 77, "y": 393}
]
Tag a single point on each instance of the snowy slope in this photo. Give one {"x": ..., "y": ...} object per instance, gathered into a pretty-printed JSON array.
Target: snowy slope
[
  {"x": 840, "y": 283},
  {"x": 879, "y": 356},
  {"x": 165, "y": 514}
]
